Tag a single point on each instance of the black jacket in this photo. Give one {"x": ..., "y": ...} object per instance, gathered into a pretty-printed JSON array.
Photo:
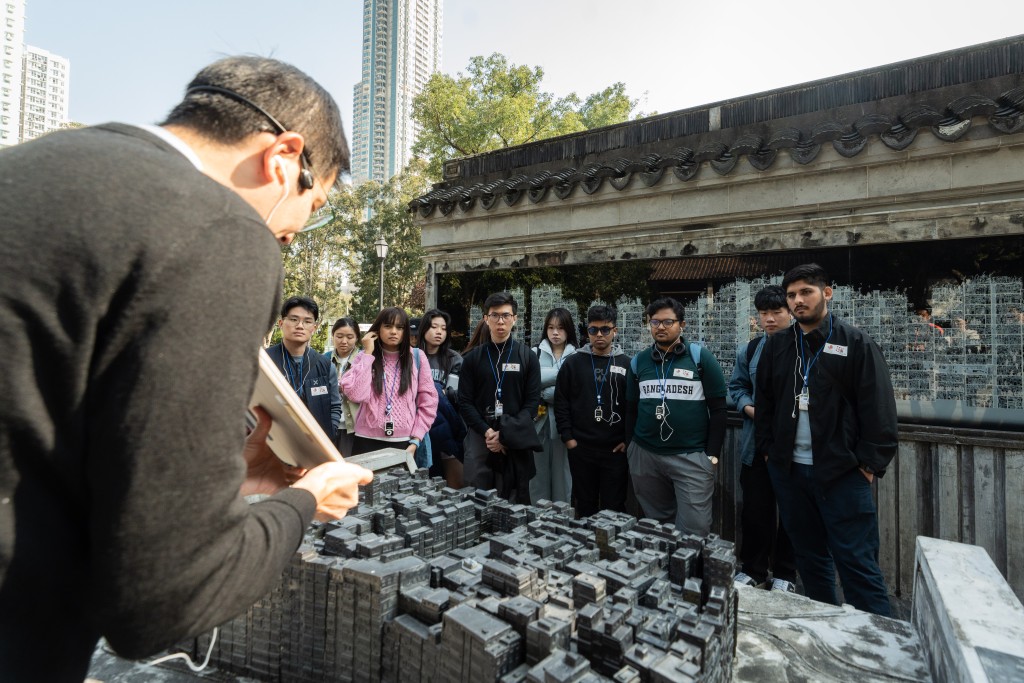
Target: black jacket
[
  {"x": 576, "y": 399},
  {"x": 520, "y": 388},
  {"x": 852, "y": 407}
]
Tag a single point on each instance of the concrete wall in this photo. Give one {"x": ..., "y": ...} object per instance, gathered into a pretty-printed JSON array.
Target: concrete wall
[{"x": 933, "y": 190}]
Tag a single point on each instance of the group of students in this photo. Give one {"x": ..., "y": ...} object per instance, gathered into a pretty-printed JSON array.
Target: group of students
[{"x": 578, "y": 423}]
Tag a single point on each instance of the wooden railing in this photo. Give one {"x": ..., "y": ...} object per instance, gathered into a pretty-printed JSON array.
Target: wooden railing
[{"x": 964, "y": 485}]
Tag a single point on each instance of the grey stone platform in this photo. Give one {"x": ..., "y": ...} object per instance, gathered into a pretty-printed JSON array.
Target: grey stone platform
[{"x": 787, "y": 637}]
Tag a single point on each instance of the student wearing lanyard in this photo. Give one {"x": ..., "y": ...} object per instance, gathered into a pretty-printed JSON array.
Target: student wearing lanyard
[
  {"x": 590, "y": 400},
  {"x": 825, "y": 420},
  {"x": 499, "y": 385},
  {"x": 677, "y": 420},
  {"x": 344, "y": 335},
  {"x": 394, "y": 390},
  {"x": 312, "y": 376},
  {"x": 553, "y": 480}
]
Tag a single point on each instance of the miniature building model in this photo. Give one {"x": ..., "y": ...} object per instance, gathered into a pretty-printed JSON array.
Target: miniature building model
[{"x": 427, "y": 583}]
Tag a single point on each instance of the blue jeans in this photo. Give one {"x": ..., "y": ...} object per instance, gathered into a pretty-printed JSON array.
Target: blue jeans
[{"x": 834, "y": 527}]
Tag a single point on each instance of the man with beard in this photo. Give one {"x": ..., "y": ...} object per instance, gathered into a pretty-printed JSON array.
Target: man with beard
[{"x": 825, "y": 420}]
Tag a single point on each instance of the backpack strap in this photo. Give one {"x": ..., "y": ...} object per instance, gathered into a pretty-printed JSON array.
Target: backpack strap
[
  {"x": 752, "y": 348},
  {"x": 695, "y": 349}
]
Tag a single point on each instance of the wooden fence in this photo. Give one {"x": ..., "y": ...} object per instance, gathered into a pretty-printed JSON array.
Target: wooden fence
[{"x": 964, "y": 485}]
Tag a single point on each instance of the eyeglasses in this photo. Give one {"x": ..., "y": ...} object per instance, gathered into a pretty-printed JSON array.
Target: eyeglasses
[
  {"x": 320, "y": 217},
  {"x": 603, "y": 330},
  {"x": 667, "y": 322},
  {"x": 295, "y": 321},
  {"x": 495, "y": 317}
]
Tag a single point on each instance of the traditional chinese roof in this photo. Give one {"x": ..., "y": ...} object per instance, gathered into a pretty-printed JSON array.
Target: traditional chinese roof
[{"x": 943, "y": 93}]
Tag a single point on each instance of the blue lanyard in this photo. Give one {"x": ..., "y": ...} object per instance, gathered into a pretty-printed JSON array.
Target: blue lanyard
[
  {"x": 389, "y": 388},
  {"x": 295, "y": 381},
  {"x": 807, "y": 367},
  {"x": 604, "y": 378},
  {"x": 499, "y": 379}
]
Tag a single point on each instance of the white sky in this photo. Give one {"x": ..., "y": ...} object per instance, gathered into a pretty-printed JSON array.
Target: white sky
[{"x": 130, "y": 59}]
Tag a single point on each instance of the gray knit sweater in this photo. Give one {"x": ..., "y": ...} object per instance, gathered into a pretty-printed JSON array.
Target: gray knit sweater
[{"x": 134, "y": 291}]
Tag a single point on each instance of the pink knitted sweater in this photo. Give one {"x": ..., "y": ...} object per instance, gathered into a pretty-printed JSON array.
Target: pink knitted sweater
[{"x": 412, "y": 412}]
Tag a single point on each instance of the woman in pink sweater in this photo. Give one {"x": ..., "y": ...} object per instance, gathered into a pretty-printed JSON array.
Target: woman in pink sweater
[{"x": 394, "y": 390}]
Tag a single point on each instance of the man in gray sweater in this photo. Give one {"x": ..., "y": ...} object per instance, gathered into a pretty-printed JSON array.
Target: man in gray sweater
[{"x": 139, "y": 276}]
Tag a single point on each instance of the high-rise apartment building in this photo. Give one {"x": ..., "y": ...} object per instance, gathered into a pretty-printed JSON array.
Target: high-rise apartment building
[
  {"x": 12, "y": 43},
  {"x": 401, "y": 49},
  {"x": 44, "y": 93}
]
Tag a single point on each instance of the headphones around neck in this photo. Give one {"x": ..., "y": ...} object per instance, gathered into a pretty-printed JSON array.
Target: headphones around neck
[{"x": 306, "y": 179}]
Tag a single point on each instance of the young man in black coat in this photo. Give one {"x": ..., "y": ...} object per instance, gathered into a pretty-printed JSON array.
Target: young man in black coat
[
  {"x": 825, "y": 419},
  {"x": 590, "y": 403},
  {"x": 499, "y": 390}
]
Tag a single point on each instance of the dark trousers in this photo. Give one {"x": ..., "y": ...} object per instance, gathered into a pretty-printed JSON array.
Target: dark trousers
[
  {"x": 833, "y": 528},
  {"x": 765, "y": 543},
  {"x": 599, "y": 480}
]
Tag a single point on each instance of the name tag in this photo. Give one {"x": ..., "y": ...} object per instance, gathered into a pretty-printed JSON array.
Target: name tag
[
  {"x": 318, "y": 391},
  {"x": 835, "y": 349},
  {"x": 510, "y": 367},
  {"x": 683, "y": 372},
  {"x": 619, "y": 370}
]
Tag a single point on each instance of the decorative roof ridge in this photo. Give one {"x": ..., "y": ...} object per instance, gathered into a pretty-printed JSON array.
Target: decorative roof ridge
[
  {"x": 940, "y": 70},
  {"x": 1005, "y": 113}
]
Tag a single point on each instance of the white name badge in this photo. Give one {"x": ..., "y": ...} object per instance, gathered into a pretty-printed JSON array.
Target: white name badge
[
  {"x": 318, "y": 391},
  {"x": 618, "y": 370},
  {"x": 510, "y": 367},
  {"x": 835, "y": 349},
  {"x": 683, "y": 372}
]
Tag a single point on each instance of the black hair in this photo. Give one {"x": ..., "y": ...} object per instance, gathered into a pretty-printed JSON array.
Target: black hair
[
  {"x": 345, "y": 322},
  {"x": 500, "y": 299},
  {"x": 811, "y": 273},
  {"x": 481, "y": 335},
  {"x": 564, "y": 320},
  {"x": 601, "y": 313},
  {"x": 443, "y": 357},
  {"x": 770, "y": 298},
  {"x": 298, "y": 102},
  {"x": 300, "y": 302},
  {"x": 398, "y": 317},
  {"x": 667, "y": 302}
]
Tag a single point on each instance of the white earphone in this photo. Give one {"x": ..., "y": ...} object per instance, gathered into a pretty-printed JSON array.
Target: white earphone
[{"x": 279, "y": 163}]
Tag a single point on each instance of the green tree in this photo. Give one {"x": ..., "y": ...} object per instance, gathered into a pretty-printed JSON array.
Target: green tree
[
  {"x": 383, "y": 212},
  {"x": 315, "y": 264},
  {"x": 498, "y": 104}
]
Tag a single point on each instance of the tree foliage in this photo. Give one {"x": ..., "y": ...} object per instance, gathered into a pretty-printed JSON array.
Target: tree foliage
[
  {"x": 498, "y": 104},
  {"x": 382, "y": 211}
]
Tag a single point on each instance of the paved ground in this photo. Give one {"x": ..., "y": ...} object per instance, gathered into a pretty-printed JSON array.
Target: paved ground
[{"x": 781, "y": 637}]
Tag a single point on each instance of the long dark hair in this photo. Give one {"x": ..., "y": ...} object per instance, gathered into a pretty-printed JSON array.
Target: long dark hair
[
  {"x": 564, "y": 319},
  {"x": 443, "y": 357},
  {"x": 481, "y": 335},
  {"x": 398, "y": 318}
]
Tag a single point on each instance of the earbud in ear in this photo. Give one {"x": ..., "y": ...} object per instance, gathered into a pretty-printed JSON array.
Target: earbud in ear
[
  {"x": 279, "y": 164},
  {"x": 306, "y": 179}
]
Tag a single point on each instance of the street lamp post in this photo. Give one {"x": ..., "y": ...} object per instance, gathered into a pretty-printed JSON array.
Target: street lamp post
[{"x": 382, "y": 253}]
